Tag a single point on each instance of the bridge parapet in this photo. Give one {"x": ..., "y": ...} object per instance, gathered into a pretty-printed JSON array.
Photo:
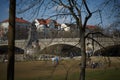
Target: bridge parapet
[
  {"x": 18, "y": 43},
  {"x": 70, "y": 41},
  {"x": 73, "y": 41},
  {"x": 106, "y": 42},
  {"x": 60, "y": 40}
]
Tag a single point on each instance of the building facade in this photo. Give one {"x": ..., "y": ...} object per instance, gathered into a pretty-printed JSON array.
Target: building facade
[{"x": 21, "y": 27}]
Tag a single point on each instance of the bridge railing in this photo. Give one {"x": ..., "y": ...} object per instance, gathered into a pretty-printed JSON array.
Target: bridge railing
[
  {"x": 60, "y": 40},
  {"x": 4, "y": 42}
]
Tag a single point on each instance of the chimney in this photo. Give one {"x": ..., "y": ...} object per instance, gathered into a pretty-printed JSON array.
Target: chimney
[{"x": 21, "y": 17}]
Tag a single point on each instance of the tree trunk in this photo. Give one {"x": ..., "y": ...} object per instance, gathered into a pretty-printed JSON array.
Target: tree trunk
[
  {"x": 11, "y": 40},
  {"x": 83, "y": 54}
]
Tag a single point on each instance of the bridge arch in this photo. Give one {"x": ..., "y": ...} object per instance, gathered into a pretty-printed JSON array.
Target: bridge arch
[
  {"x": 65, "y": 43},
  {"x": 113, "y": 50},
  {"x": 62, "y": 50},
  {"x": 4, "y": 49}
]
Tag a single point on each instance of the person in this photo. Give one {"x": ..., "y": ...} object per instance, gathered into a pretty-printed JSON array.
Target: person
[
  {"x": 5, "y": 58},
  {"x": 55, "y": 60},
  {"x": 89, "y": 50}
]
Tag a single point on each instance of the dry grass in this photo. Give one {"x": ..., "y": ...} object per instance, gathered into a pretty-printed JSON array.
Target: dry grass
[{"x": 45, "y": 70}]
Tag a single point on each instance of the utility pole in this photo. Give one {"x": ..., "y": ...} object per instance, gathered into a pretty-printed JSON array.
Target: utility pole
[{"x": 11, "y": 40}]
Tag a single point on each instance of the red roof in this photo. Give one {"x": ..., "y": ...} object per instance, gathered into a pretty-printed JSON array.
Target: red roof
[
  {"x": 41, "y": 21},
  {"x": 47, "y": 21},
  {"x": 90, "y": 27},
  {"x": 20, "y": 20}
]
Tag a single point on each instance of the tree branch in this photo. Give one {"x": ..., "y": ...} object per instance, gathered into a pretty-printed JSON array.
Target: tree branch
[
  {"x": 61, "y": 3},
  {"x": 30, "y": 6},
  {"x": 89, "y": 14},
  {"x": 96, "y": 42},
  {"x": 95, "y": 33},
  {"x": 59, "y": 15}
]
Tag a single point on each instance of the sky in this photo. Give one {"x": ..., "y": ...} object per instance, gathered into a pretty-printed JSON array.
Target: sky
[
  {"x": 4, "y": 10},
  {"x": 95, "y": 19}
]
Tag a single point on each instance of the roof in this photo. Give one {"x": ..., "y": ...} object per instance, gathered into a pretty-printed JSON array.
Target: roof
[
  {"x": 90, "y": 27},
  {"x": 47, "y": 21},
  {"x": 20, "y": 20},
  {"x": 42, "y": 21}
]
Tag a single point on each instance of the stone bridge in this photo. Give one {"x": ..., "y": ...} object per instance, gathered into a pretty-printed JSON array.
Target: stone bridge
[
  {"x": 69, "y": 41},
  {"x": 75, "y": 42}
]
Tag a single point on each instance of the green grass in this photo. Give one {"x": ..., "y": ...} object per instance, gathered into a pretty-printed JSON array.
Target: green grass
[
  {"x": 45, "y": 70},
  {"x": 108, "y": 74}
]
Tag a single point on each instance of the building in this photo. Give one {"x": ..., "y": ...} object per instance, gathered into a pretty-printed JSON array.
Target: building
[
  {"x": 65, "y": 27},
  {"x": 22, "y": 28},
  {"x": 42, "y": 24}
]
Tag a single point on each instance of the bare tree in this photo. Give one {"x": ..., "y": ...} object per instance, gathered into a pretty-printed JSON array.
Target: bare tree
[
  {"x": 11, "y": 40},
  {"x": 71, "y": 9}
]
